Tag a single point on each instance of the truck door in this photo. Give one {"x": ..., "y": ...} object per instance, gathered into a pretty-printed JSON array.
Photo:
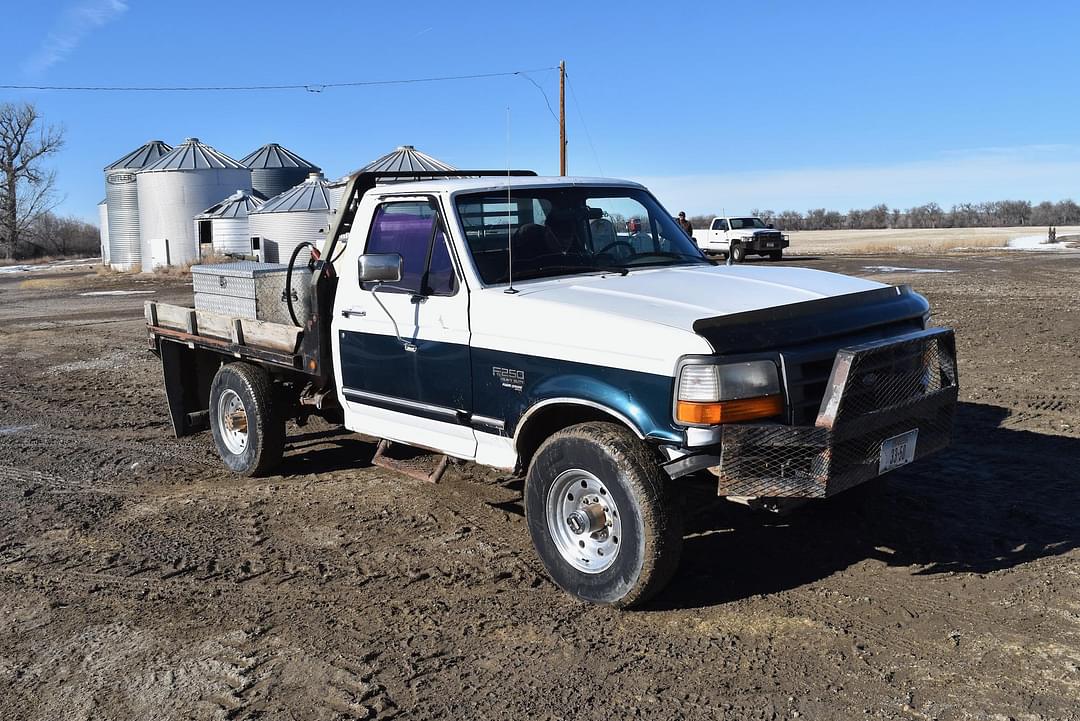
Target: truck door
[
  {"x": 403, "y": 352},
  {"x": 718, "y": 234}
]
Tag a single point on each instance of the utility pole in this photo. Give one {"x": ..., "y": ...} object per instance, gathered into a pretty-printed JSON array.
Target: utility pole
[{"x": 562, "y": 117}]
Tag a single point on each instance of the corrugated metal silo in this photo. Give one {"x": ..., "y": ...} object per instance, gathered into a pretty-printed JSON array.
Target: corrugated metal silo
[
  {"x": 103, "y": 228},
  {"x": 403, "y": 159},
  {"x": 296, "y": 215},
  {"x": 122, "y": 199},
  {"x": 173, "y": 191},
  {"x": 225, "y": 225},
  {"x": 275, "y": 169},
  {"x": 406, "y": 158}
]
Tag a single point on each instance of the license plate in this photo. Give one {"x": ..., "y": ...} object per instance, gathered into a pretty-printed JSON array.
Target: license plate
[
  {"x": 897, "y": 451},
  {"x": 770, "y": 245}
]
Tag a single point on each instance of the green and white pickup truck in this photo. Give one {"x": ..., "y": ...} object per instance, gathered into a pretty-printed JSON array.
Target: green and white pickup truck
[{"x": 520, "y": 322}]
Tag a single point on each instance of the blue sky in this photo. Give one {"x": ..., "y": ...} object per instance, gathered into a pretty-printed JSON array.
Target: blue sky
[{"x": 713, "y": 104}]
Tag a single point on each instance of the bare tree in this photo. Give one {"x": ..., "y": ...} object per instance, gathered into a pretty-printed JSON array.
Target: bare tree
[
  {"x": 56, "y": 236},
  {"x": 27, "y": 190}
]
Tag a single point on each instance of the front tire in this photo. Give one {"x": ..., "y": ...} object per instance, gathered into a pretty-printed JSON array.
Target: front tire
[
  {"x": 737, "y": 253},
  {"x": 602, "y": 516},
  {"x": 247, "y": 425},
  {"x": 776, "y": 255}
]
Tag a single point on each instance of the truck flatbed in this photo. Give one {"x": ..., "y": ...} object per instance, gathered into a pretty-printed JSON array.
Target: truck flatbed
[{"x": 274, "y": 343}]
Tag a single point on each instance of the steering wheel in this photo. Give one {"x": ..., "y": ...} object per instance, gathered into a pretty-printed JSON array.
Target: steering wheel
[{"x": 615, "y": 243}]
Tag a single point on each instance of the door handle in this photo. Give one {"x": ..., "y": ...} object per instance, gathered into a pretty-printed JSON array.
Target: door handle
[{"x": 350, "y": 312}]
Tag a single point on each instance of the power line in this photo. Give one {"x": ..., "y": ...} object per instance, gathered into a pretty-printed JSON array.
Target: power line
[
  {"x": 547, "y": 100},
  {"x": 581, "y": 116},
  {"x": 309, "y": 87}
]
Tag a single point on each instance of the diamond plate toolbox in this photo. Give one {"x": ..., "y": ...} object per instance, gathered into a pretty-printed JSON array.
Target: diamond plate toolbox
[{"x": 247, "y": 289}]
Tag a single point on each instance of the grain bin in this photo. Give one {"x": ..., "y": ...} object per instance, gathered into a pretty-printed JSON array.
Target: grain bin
[
  {"x": 299, "y": 214},
  {"x": 403, "y": 159},
  {"x": 406, "y": 159},
  {"x": 224, "y": 225},
  {"x": 122, "y": 200},
  {"x": 103, "y": 229},
  {"x": 275, "y": 169},
  {"x": 176, "y": 188}
]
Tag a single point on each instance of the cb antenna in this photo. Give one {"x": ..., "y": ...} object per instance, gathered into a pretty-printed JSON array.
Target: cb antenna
[{"x": 509, "y": 237}]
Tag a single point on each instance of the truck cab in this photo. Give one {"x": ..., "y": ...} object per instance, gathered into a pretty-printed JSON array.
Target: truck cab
[
  {"x": 569, "y": 331},
  {"x": 738, "y": 236}
]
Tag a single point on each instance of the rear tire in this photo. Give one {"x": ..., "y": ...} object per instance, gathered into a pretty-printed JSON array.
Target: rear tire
[
  {"x": 605, "y": 477},
  {"x": 248, "y": 427}
]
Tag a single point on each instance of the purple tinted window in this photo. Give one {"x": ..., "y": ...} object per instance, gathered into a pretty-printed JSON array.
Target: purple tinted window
[
  {"x": 441, "y": 277},
  {"x": 407, "y": 229}
]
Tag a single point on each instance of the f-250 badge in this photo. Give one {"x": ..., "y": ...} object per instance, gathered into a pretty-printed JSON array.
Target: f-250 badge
[{"x": 509, "y": 377}]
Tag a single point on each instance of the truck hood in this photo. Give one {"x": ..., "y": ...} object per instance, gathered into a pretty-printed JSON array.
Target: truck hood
[
  {"x": 643, "y": 321},
  {"x": 677, "y": 297}
]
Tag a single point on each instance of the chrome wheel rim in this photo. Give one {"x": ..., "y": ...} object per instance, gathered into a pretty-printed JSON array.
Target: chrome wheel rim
[
  {"x": 232, "y": 422},
  {"x": 583, "y": 521}
]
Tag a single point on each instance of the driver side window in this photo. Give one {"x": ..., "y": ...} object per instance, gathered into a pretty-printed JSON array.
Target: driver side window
[
  {"x": 412, "y": 229},
  {"x": 720, "y": 224}
]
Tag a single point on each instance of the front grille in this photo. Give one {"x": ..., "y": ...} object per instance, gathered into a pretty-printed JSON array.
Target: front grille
[
  {"x": 807, "y": 369},
  {"x": 873, "y": 392}
]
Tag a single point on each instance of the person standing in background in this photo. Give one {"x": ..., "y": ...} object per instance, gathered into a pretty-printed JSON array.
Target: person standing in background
[{"x": 685, "y": 224}]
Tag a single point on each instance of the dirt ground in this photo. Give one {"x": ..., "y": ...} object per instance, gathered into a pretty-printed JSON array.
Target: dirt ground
[{"x": 138, "y": 580}]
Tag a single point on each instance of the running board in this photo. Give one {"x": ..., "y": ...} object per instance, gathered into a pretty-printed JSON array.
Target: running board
[{"x": 382, "y": 460}]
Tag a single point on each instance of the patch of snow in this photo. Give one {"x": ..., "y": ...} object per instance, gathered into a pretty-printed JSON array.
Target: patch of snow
[
  {"x": 10, "y": 430},
  {"x": 119, "y": 292},
  {"x": 37, "y": 268},
  {"x": 1035, "y": 242},
  {"x": 898, "y": 269}
]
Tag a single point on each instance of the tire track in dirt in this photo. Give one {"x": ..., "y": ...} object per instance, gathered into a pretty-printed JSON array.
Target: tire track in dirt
[{"x": 244, "y": 668}]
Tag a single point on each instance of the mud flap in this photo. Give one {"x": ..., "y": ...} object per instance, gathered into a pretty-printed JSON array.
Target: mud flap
[{"x": 187, "y": 373}]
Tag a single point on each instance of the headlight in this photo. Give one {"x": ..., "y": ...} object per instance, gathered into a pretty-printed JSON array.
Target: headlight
[{"x": 711, "y": 394}]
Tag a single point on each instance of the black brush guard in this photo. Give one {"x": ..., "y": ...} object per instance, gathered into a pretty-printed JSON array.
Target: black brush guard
[{"x": 876, "y": 391}]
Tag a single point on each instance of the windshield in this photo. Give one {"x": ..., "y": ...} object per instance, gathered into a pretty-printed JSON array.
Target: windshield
[
  {"x": 743, "y": 223},
  {"x": 570, "y": 231}
]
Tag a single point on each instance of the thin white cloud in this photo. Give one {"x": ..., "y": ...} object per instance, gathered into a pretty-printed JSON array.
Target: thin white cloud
[
  {"x": 76, "y": 22},
  {"x": 1035, "y": 172}
]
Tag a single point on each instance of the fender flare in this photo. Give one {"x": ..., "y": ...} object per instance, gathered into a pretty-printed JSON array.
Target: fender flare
[{"x": 523, "y": 421}]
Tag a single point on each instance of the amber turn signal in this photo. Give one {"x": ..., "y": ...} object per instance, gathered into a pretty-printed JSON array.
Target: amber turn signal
[{"x": 743, "y": 409}]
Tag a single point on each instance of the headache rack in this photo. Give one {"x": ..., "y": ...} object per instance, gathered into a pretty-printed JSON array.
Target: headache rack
[{"x": 875, "y": 391}]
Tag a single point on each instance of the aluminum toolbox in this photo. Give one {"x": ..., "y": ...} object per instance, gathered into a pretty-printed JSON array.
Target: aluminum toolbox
[{"x": 247, "y": 289}]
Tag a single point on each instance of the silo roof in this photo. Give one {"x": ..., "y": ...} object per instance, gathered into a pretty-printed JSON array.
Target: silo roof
[
  {"x": 406, "y": 158},
  {"x": 310, "y": 195},
  {"x": 142, "y": 156},
  {"x": 237, "y": 205},
  {"x": 193, "y": 155},
  {"x": 273, "y": 155}
]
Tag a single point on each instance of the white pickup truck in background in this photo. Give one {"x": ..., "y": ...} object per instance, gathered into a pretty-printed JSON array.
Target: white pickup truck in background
[{"x": 739, "y": 237}]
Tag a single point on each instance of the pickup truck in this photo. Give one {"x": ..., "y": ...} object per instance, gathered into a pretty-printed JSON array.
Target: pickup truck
[
  {"x": 737, "y": 237},
  {"x": 566, "y": 329}
]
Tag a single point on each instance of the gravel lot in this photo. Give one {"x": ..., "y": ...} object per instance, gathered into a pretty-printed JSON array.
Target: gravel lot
[{"x": 140, "y": 581}]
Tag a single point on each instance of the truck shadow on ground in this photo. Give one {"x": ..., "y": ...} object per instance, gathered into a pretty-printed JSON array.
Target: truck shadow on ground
[
  {"x": 323, "y": 451},
  {"x": 996, "y": 499}
]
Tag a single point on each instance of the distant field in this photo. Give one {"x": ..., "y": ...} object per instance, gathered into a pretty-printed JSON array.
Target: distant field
[{"x": 914, "y": 241}]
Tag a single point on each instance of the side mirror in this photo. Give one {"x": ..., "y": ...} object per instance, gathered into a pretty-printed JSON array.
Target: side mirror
[
  {"x": 770, "y": 226},
  {"x": 379, "y": 267}
]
